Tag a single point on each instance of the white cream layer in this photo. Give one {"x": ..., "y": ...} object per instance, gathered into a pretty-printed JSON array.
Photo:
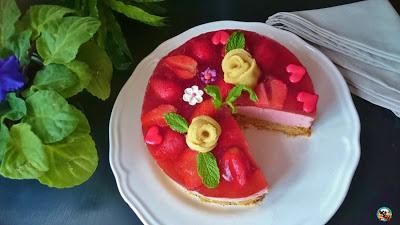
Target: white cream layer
[{"x": 276, "y": 116}]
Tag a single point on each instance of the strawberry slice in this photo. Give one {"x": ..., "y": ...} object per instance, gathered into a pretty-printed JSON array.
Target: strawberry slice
[
  {"x": 156, "y": 116},
  {"x": 183, "y": 66},
  {"x": 234, "y": 167},
  {"x": 271, "y": 93},
  {"x": 205, "y": 108},
  {"x": 203, "y": 50},
  {"x": 263, "y": 101},
  {"x": 165, "y": 89},
  {"x": 187, "y": 168},
  {"x": 277, "y": 93},
  {"x": 171, "y": 147}
]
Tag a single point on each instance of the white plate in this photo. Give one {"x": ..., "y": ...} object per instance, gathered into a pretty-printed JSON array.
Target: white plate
[{"x": 309, "y": 177}]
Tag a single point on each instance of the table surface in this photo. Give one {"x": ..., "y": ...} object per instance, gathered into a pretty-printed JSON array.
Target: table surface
[{"x": 376, "y": 182}]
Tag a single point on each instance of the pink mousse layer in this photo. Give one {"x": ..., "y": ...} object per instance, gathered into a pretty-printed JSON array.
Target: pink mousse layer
[{"x": 275, "y": 116}]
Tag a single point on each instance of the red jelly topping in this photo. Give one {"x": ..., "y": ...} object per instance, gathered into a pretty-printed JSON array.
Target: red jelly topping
[{"x": 278, "y": 87}]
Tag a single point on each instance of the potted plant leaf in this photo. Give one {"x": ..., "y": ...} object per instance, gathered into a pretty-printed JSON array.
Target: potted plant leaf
[{"x": 47, "y": 55}]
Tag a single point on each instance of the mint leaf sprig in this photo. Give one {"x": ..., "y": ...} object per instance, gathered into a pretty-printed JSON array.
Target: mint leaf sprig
[
  {"x": 235, "y": 41},
  {"x": 207, "y": 167},
  {"x": 176, "y": 122},
  {"x": 236, "y": 92},
  {"x": 215, "y": 93}
]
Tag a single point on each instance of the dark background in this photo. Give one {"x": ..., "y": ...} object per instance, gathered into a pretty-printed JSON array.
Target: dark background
[{"x": 376, "y": 182}]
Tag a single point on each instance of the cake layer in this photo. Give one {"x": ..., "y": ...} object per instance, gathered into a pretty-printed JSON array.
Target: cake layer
[
  {"x": 276, "y": 116},
  {"x": 244, "y": 121}
]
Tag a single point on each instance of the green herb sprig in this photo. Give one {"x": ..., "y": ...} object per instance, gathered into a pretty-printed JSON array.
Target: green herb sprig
[
  {"x": 236, "y": 40},
  {"x": 214, "y": 92}
]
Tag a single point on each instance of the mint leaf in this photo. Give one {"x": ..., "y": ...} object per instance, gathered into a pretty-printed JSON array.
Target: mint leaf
[
  {"x": 236, "y": 92},
  {"x": 17, "y": 107},
  {"x": 58, "y": 78},
  {"x": 61, "y": 39},
  {"x": 215, "y": 93},
  {"x": 252, "y": 93},
  {"x": 101, "y": 66},
  {"x": 50, "y": 116},
  {"x": 233, "y": 107},
  {"x": 4, "y": 138},
  {"x": 25, "y": 157},
  {"x": 236, "y": 40},
  {"x": 73, "y": 160},
  {"x": 208, "y": 169},
  {"x": 176, "y": 122},
  {"x": 19, "y": 44},
  {"x": 135, "y": 13},
  {"x": 9, "y": 14},
  {"x": 38, "y": 16}
]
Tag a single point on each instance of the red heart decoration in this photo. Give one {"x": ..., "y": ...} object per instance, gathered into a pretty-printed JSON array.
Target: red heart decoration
[
  {"x": 296, "y": 72},
  {"x": 309, "y": 101},
  {"x": 153, "y": 136},
  {"x": 220, "y": 37}
]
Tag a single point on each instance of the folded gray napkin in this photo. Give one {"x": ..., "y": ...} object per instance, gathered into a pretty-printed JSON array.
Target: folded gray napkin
[{"x": 362, "y": 39}]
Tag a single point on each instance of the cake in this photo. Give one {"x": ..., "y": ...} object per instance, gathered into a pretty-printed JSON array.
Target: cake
[{"x": 202, "y": 93}]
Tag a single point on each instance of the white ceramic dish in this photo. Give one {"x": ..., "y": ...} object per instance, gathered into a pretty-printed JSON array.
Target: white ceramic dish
[{"x": 309, "y": 177}]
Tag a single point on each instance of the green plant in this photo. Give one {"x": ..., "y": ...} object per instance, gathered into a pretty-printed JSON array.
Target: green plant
[
  {"x": 48, "y": 55},
  {"x": 110, "y": 36}
]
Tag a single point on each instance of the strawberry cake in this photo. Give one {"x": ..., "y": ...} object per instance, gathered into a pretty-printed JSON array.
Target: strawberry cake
[{"x": 199, "y": 95}]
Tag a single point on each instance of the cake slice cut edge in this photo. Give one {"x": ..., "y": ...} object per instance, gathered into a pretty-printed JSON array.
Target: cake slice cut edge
[{"x": 288, "y": 123}]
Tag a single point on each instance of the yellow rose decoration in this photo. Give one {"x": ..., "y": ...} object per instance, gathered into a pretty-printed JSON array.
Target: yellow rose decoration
[
  {"x": 203, "y": 134},
  {"x": 240, "y": 68}
]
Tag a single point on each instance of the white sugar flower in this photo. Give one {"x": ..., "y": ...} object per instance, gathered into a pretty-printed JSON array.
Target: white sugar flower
[{"x": 193, "y": 95}]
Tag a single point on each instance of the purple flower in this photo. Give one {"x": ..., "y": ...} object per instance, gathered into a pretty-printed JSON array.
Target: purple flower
[
  {"x": 11, "y": 78},
  {"x": 208, "y": 76}
]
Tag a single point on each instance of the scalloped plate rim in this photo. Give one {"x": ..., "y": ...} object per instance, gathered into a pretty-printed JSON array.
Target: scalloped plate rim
[{"x": 121, "y": 174}]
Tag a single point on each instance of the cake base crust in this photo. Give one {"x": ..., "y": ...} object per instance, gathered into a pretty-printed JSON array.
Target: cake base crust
[
  {"x": 246, "y": 202},
  {"x": 252, "y": 200},
  {"x": 244, "y": 121}
]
